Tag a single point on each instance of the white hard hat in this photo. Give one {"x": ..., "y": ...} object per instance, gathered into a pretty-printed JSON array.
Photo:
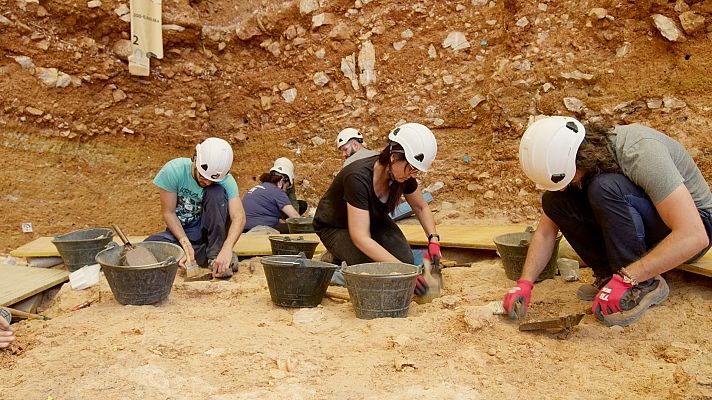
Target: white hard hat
[
  {"x": 547, "y": 151},
  {"x": 213, "y": 158},
  {"x": 346, "y": 135},
  {"x": 284, "y": 166},
  {"x": 418, "y": 143}
]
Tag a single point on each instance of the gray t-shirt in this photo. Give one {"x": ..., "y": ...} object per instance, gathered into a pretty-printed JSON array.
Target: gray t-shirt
[
  {"x": 360, "y": 155},
  {"x": 658, "y": 164}
]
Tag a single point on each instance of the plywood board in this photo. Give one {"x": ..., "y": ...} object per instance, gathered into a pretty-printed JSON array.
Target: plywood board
[
  {"x": 19, "y": 283},
  {"x": 247, "y": 245},
  {"x": 458, "y": 236},
  {"x": 461, "y": 236},
  {"x": 43, "y": 247}
]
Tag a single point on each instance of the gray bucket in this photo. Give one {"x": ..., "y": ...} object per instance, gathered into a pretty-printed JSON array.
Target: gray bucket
[
  {"x": 145, "y": 284},
  {"x": 79, "y": 248},
  {"x": 295, "y": 281},
  {"x": 284, "y": 246},
  {"x": 513, "y": 247},
  {"x": 380, "y": 290},
  {"x": 300, "y": 224}
]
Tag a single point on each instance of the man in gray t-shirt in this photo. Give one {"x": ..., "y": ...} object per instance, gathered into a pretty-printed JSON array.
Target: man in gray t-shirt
[
  {"x": 629, "y": 199},
  {"x": 350, "y": 143}
]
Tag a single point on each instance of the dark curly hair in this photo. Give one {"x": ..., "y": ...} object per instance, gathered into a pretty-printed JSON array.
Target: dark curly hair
[{"x": 595, "y": 154}]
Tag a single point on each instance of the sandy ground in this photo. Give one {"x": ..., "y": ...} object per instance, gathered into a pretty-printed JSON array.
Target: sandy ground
[{"x": 227, "y": 340}]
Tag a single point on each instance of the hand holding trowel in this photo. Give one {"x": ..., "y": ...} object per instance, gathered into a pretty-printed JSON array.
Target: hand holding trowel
[
  {"x": 432, "y": 272},
  {"x": 134, "y": 256}
]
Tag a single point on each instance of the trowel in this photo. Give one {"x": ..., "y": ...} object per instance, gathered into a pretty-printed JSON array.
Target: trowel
[
  {"x": 559, "y": 323},
  {"x": 134, "y": 256},
  {"x": 432, "y": 272}
]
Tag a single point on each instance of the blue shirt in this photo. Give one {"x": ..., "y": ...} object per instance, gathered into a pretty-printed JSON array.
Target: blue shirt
[
  {"x": 263, "y": 205},
  {"x": 176, "y": 177}
]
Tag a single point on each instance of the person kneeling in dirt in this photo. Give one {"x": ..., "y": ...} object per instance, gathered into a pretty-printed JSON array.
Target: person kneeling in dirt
[
  {"x": 352, "y": 217},
  {"x": 350, "y": 143},
  {"x": 7, "y": 333},
  {"x": 201, "y": 206},
  {"x": 283, "y": 165},
  {"x": 630, "y": 201},
  {"x": 267, "y": 202}
]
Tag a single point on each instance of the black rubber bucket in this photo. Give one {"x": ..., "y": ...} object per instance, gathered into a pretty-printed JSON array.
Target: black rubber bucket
[
  {"x": 380, "y": 290},
  {"x": 513, "y": 247},
  {"x": 300, "y": 224},
  {"x": 286, "y": 246},
  {"x": 145, "y": 284},
  {"x": 79, "y": 248},
  {"x": 295, "y": 281}
]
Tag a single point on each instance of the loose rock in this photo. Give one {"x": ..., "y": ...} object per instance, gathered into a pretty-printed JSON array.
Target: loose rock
[{"x": 667, "y": 28}]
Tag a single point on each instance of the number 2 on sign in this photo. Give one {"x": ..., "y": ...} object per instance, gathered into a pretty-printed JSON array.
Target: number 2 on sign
[{"x": 135, "y": 40}]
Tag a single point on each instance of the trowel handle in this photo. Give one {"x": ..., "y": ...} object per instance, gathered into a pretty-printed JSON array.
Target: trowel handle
[{"x": 122, "y": 236}]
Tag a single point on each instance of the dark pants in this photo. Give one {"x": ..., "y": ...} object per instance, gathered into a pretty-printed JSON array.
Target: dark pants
[
  {"x": 386, "y": 233},
  {"x": 208, "y": 233},
  {"x": 610, "y": 223}
]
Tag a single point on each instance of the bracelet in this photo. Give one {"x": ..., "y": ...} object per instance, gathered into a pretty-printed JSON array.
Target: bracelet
[
  {"x": 627, "y": 277},
  {"x": 432, "y": 235}
]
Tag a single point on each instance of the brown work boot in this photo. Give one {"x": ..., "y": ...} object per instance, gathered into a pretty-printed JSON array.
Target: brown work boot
[{"x": 588, "y": 292}]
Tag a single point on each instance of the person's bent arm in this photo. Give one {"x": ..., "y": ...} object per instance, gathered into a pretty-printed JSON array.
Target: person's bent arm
[
  {"x": 290, "y": 211},
  {"x": 516, "y": 300},
  {"x": 686, "y": 239},
  {"x": 422, "y": 211},
  {"x": 168, "y": 210},
  {"x": 237, "y": 224},
  {"x": 7, "y": 334},
  {"x": 360, "y": 231},
  {"x": 540, "y": 248}
]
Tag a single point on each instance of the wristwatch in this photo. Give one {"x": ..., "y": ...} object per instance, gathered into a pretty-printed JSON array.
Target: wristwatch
[
  {"x": 432, "y": 235},
  {"x": 627, "y": 278}
]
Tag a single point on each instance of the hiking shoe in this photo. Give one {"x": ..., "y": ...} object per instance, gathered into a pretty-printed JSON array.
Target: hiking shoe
[
  {"x": 636, "y": 301},
  {"x": 588, "y": 292}
]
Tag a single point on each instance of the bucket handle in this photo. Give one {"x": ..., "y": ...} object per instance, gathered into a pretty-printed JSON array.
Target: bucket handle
[
  {"x": 168, "y": 261},
  {"x": 110, "y": 245}
]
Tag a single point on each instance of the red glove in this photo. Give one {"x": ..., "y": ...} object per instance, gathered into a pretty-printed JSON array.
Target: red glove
[
  {"x": 434, "y": 251},
  {"x": 421, "y": 287},
  {"x": 517, "y": 299},
  {"x": 608, "y": 299}
]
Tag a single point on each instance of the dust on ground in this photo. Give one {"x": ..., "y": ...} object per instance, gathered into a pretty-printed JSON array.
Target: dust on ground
[{"x": 227, "y": 340}]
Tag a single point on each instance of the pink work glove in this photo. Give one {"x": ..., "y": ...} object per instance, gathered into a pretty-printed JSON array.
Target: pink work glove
[
  {"x": 608, "y": 299},
  {"x": 421, "y": 287},
  {"x": 517, "y": 299},
  {"x": 434, "y": 251}
]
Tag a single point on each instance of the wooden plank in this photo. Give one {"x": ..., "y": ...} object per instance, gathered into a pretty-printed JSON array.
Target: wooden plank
[
  {"x": 458, "y": 236},
  {"x": 43, "y": 247},
  {"x": 461, "y": 236},
  {"x": 19, "y": 283}
]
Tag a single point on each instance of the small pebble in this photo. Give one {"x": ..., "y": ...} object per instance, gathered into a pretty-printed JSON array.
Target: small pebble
[{"x": 492, "y": 352}]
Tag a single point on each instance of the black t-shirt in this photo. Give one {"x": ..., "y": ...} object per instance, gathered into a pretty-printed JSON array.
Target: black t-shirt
[{"x": 354, "y": 185}]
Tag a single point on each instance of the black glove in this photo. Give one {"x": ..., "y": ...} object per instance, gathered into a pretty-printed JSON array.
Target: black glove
[{"x": 421, "y": 287}]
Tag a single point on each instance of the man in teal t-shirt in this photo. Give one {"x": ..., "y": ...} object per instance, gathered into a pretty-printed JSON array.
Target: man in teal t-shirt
[{"x": 201, "y": 206}]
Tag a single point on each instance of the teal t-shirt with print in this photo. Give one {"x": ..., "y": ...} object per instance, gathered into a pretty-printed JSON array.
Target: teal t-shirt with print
[{"x": 176, "y": 177}]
